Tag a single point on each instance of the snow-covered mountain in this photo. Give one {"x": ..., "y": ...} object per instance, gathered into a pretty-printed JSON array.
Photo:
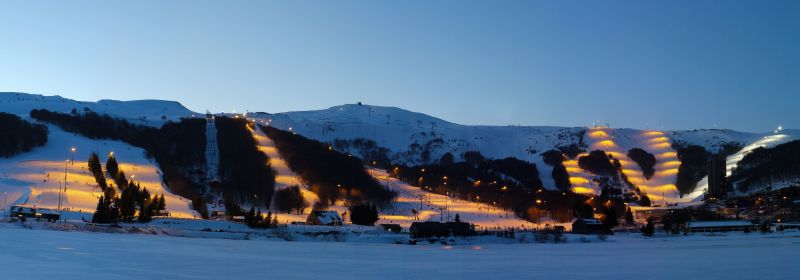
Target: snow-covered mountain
[
  {"x": 147, "y": 112},
  {"x": 415, "y": 138}
]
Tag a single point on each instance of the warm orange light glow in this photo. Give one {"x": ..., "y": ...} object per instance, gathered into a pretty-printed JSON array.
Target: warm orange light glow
[
  {"x": 653, "y": 133},
  {"x": 573, "y": 169},
  {"x": 659, "y": 139},
  {"x": 605, "y": 144},
  {"x": 671, "y": 163},
  {"x": 616, "y": 154},
  {"x": 598, "y": 134},
  {"x": 663, "y": 145},
  {"x": 582, "y": 190},
  {"x": 667, "y": 172},
  {"x": 668, "y": 155},
  {"x": 578, "y": 180}
]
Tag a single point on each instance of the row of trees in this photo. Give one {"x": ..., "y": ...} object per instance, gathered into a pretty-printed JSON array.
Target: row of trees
[
  {"x": 133, "y": 204},
  {"x": 290, "y": 199},
  {"x": 694, "y": 163},
  {"x": 331, "y": 174},
  {"x": 645, "y": 160},
  {"x": 256, "y": 219},
  {"x": 244, "y": 170},
  {"x": 764, "y": 167},
  {"x": 19, "y": 136},
  {"x": 556, "y": 158}
]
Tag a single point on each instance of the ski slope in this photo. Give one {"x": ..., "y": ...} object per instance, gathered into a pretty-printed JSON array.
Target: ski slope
[
  {"x": 434, "y": 207},
  {"x": 768, "y": 141},
  {"x": 284, "y": 178},
  {"x": 35, "y": 178},
  {"x": 617, "y": 142},
  {"x": 441, "y": 208}
]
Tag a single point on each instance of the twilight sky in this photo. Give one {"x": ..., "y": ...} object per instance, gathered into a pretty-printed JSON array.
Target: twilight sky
[{"x": 656, "y": 64}]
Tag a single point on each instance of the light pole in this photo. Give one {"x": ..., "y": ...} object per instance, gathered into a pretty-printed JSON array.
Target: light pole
[
  {"x": 5, "y": 194},
  {"x": 72, "y": 156},
  {"x": 66, "y": 172}
]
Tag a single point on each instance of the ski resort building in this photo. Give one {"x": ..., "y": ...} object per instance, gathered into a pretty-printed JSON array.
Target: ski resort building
[
  {"x": 21, "y": 211},
  {"x": 720, "y": 226},
  {"x": 589, "y": 226},
  {"x": 324, "y": 218}
]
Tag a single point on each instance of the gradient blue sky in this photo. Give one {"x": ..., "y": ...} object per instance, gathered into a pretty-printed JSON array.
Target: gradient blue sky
[{"x": 657, "y": 64}]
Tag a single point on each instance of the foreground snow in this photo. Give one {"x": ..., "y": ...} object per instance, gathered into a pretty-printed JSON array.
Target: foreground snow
[{"x": 43, "y": 254}]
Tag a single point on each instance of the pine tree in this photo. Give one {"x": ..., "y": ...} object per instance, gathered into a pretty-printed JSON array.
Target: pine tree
[
  {"x": 101, "y": 214},
  {"x": 121, "y": 180},
  {"x": 458, "y": 218},
  {"x": 127, "y": 202},
  {"x": 111, "y": 166},
  {"x": 162, "y": 204},
  {"x": 363, "y": 214},
  {"x": 107, "y": 210},
  {"x": 97, "y": 171}
]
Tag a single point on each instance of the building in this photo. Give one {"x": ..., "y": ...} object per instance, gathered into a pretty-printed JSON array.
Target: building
[
  {"x": 395, "y": 228},
  {"x": 589, "y": 226},
  {"x": 324, "y": 218},
  {"x": 717, "y": 185},
  {"x": 439, "y": 230},
  {"x": 21, "y": 211},
  {"x": 720, "y": 226},
  {"x": 643, "y": 213}
]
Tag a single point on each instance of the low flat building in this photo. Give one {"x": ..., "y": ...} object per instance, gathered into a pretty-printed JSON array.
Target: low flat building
[
  {"x": 589, "y": 226},
  {"x": 720, "y": 226},
  {"x": 22, "y": 211}
]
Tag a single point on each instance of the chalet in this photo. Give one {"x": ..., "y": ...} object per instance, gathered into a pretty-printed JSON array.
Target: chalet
[
  {"x": 324, "y": 218},
  {"x": 589, "y": 226},
  {"x": 21, "y": 211},
  {"x": 720, "y": 226}
]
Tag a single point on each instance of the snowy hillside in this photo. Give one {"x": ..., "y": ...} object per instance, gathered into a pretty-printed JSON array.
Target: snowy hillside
[
  {"x": 35, "y": 178},
  {"x": 147, "y": 112},
  {"x": 416, "y": 138}
]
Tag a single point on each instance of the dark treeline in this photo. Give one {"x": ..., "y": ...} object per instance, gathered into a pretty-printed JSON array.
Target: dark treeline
[
  {"x": 178, "y": 148},
  {"x": 19, "y": 136},
  {"x": 599, "y": 163},
  {"x": 244, "y": 170},
  {"x": 332, "y": 175},
  {"x": 763, "y": 167},
  {"x": 481, "y": 181},
  {"x": 369, "y": 150},
  {"x": 290, "y": 199},
  {"x": 694, "y": 163},
  {"x": 645, "y": 160},
  {"x": 556, "y": 158}
]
